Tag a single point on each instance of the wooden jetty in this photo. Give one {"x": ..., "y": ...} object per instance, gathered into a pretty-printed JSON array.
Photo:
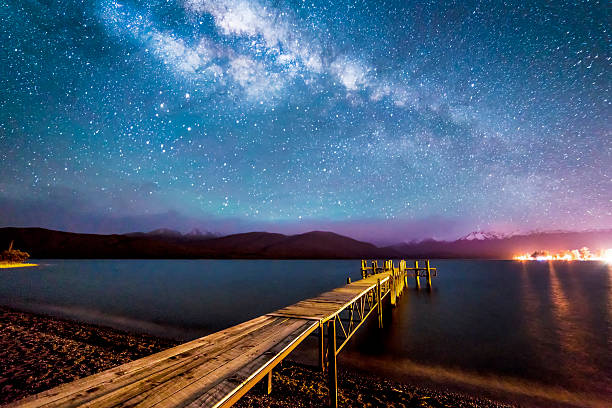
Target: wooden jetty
[{"x": 218, "y": 369}]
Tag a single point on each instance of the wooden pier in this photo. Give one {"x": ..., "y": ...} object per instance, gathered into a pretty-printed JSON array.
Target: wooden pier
[{"x": 218, "y": 369}]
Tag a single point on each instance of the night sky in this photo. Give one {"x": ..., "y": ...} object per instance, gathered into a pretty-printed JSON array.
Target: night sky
[{"x": 383, "y": 120}]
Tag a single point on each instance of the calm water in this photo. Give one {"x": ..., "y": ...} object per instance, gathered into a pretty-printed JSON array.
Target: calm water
[{"x": 538, "y": 332}]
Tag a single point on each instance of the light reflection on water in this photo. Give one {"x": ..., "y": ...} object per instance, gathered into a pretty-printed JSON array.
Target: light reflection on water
[{"x": 540, "y": 330}]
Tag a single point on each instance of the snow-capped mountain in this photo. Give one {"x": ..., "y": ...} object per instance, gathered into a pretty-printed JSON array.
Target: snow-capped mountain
[
  {"x": 483, "y": 235},
  {"x": 197, "y": 233}
]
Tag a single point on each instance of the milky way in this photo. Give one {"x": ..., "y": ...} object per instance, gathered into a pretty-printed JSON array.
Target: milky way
[{"x": 383, "y": 120}]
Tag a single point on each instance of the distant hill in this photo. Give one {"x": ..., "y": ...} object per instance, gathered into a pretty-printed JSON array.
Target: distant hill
[
  {"x": 166, "y": 233},
  {"x": 495, "y": 246},
  {"x": 161, "y": 232},
  {"x": 43, "y": 243}
]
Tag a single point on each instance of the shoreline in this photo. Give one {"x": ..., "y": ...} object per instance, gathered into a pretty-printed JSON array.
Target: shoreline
[
  {"x": 39, "y": 352},
  {"x": 5, "y": 265}
]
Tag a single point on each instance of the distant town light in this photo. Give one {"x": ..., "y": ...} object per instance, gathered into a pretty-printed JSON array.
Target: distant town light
[{"x": 583, "y": 254}]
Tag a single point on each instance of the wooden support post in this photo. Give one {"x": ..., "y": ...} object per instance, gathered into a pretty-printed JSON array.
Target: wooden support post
[
  {"x": 416, "y": 275},
  {"x": 379, "y": 304},
  {"x": 398, "y": 284},
  {"x": 400, "y": 281},
  {"x": 398, "y": 290},
  {"x": 428, "y": 275},
  {"x": 350, "y": 307},
  {"x": 332, "y": 372},
  {"x": 393, "y": 289},
  {"x": 364, "y": 270},
  {"x": 269, "y": 382},
  {"x": 321, "y": 349}
]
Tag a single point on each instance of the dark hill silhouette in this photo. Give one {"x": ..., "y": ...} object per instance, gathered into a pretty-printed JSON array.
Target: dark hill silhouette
[
  {"x": 321, "y": 244},
  {"x": 248, "y": 244},
  {"x": 43, "y": 243}
]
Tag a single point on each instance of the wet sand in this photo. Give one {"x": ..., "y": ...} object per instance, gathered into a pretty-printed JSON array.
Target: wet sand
[{"x": 39, "y": 352}]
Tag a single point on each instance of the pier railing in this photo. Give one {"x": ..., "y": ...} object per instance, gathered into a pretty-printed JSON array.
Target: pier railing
[{"x": 391, "y": 281}]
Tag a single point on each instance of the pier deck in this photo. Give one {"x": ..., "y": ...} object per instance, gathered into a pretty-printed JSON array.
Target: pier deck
[{"x": 216, "y": 370}]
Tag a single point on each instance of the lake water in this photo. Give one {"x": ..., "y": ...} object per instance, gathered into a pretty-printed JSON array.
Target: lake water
[{"x": 537, "y": 332}]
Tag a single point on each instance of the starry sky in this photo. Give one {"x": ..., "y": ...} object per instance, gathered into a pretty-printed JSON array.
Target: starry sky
[{"x": 383, "y": 120}]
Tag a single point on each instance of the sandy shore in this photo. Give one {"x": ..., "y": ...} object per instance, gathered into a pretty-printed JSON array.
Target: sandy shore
[
  {"x": 39, "y": 352},
  {"x": 5, "y": 265}
]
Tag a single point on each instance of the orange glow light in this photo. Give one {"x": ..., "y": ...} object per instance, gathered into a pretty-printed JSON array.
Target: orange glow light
[{"x": 583, "y": 254}]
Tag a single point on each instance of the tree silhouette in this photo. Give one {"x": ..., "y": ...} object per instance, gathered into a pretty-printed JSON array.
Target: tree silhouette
[{"x": 13, "y": 255}]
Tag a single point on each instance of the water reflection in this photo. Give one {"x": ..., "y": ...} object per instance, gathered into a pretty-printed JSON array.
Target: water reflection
[
  {"x": 526, "y": 393},
  {"x": 532, "y": 312},
  {"x": 609, "y": 275},
  {"x": 561, "y": 311}
]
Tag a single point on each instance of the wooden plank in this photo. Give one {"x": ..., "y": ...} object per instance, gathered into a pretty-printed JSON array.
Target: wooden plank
[
  {"x": 328, "y": 304},
  {"x": 137, "y": 366},
  {"x": 126, "y": 388},
  {"x": 315, "y": 307},
  {"x": 112, "y": 379},
  {"x": 184, "y": 392},
  {"x": 206, "y": 371},
  {"x": 233, "y": 387},
  {"x": 294, "y": 316}
]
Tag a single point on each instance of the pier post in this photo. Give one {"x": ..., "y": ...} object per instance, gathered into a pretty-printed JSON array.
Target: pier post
[
  {"x": 332, "y": 372},
  {"x": 364, "y": 270},
  {"x": 393, "y": 288},
  {"x": 321, "y": 348},
  {"x": 416, "y": 275},
  {"x": 350, "y": 307},
  {"x": 269, "y": 382},
  {"x": 400, "y": 280},
  {"x": 428, "y": 275},
  {"x": 393, "y": 296},
  {"x": 379, "y": 304}
]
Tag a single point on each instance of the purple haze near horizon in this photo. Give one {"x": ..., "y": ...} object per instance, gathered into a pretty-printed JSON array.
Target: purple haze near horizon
[{"x": 384, "y": 121}]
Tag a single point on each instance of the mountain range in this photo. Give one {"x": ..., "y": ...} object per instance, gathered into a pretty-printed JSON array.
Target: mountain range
[{"x": 166, "y": 243}]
